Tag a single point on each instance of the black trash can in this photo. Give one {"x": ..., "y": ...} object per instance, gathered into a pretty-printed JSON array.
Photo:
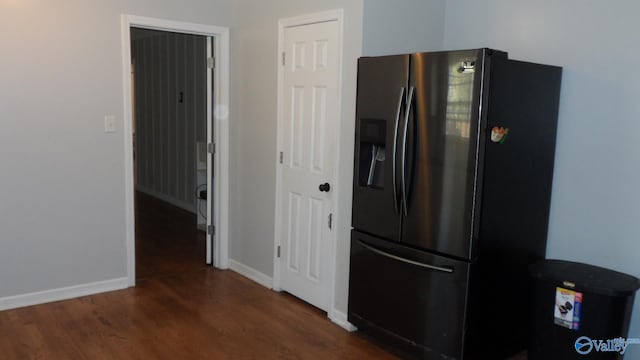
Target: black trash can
[{"x": 579, "y": 311}]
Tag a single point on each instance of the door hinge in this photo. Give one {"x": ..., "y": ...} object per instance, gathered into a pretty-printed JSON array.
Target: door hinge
[
  {"x": 281, "y": 157},
  {"x": 284, "y": 58},
  {"x": 278, "y": 251},
  {"x": 211, "y": 230},
  {"x": 211, "y": 148},
  {"x": 211, "y": 63},
  {"x": 330, "y": 220}
]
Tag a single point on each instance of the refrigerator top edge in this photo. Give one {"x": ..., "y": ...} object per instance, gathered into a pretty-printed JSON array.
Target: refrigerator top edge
[
  {"x": 548, "y": 66},
  {"x": 486, "y": 50}
]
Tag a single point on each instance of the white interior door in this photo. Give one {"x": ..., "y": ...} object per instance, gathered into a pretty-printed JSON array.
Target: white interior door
[{"x": 310, "y": 110}]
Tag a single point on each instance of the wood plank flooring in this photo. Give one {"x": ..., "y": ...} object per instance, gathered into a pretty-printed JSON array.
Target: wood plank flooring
[{"x": 180, "y": 309}]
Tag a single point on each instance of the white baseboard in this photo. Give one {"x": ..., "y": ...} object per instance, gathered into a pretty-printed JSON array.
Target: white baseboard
[
  {"x": 190, "y": 207},
  {"x": 41, "y": 297},
  {"x": 251, "y": 273},
  {"x": 340, "y": 319},
  {"x": 336, "y": 316}
]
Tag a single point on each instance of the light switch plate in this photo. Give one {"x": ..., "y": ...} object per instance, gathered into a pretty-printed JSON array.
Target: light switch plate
[{"x": 109, "y": 124}]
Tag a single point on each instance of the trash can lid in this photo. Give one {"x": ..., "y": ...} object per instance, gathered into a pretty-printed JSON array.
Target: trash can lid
[{"x": 587, "y": 278}]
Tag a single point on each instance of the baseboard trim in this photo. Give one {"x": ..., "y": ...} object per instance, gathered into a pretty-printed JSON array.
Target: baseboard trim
[
  {"x": 251, "y": 273},
  {"x": 336, "y": 316},
  {"x": 178, "y": 203},
  {"x": 339, "y": 318},
  {"x": 42, "y": 297}
]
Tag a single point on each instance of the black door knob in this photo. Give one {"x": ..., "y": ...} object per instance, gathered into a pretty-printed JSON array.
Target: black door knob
[{"x": 324, "y": 187}]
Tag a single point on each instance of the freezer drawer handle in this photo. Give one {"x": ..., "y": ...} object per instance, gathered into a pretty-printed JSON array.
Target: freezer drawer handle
[
  {"x": 426, "y": 266},
  {"x": 395, "y": 151}
]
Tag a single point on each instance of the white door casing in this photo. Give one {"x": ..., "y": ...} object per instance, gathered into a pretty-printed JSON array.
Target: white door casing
[
  {"x": 308, "y": 132},
  {"x": 210, "y": 155},
  {"x": 218, "y": 118}
]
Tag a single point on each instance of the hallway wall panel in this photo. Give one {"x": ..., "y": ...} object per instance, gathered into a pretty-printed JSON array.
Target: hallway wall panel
[{"x": 170, "y": 113}]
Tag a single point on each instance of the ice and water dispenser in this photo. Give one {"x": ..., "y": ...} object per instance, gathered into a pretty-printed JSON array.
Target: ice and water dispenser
[{"x": 373, "y": 152}]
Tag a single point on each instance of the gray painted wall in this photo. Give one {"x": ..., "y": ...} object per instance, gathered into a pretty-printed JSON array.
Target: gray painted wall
[
  {"x": 397, "y": 27},
  {"x": 166, "y": 129},
  {"x": 594, "y": 208},
  {"x": 253, "y": 129},
  {"x": 62, "y": 199},
  {"x": 62, "y": 219}
]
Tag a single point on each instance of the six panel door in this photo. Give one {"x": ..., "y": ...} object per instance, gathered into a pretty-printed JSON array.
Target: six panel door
[{"x": 310, "y": 113}]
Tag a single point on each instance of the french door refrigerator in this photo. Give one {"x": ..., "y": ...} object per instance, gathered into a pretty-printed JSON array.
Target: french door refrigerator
[{"x": 452, "y": 183}]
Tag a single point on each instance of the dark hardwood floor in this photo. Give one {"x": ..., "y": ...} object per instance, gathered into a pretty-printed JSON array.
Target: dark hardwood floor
[
  {"x": 180, "y": 309},
  {"x": 167, "y": 240}
]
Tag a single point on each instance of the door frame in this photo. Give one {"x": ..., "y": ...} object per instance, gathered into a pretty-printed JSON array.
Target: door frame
[
  {"x": 217, "y": 117},
  {"x": 308, "y": 19}
]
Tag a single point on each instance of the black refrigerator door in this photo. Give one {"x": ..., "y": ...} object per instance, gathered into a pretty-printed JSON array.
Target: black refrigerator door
[
  {"x": 381, "y": 98},
  {"x": 441, "y": 151},
  {"x": 413, "y": 300}
]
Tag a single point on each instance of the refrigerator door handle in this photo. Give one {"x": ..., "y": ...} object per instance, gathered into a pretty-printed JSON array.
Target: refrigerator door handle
[
  {"x": 395, "y": 151},
  {"x": 404, "y": 151},
  {"x": 407, "y": 261}
]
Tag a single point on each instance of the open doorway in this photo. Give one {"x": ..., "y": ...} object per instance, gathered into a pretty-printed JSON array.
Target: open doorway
[
  {"x": 201, "y": 196},
  {"x": 169, "y": 136}
]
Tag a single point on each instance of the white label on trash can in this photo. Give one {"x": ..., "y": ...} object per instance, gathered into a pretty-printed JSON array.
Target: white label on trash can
[{"x": 568, "y": 308}]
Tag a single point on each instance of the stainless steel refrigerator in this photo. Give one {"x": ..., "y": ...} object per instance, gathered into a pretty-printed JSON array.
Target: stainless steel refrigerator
[{"x": 452, "y": 184}]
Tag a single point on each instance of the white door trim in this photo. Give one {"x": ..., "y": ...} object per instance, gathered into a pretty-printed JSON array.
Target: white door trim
[
  {"x": 325, "y": 16},
  {"x": 221, "y": 131}
]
